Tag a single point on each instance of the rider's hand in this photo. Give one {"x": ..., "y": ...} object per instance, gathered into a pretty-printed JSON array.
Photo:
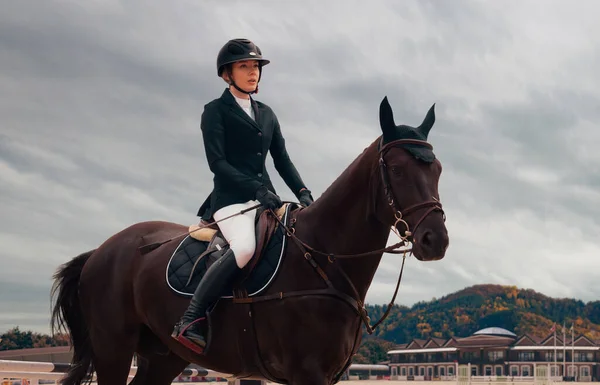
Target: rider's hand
[
  {"x": 268, "y": 199},
  {"x": 305, "y": 198}
]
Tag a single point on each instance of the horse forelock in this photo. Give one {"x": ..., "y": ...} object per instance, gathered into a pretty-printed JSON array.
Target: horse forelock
[
  {"x": 420, "y": 152},
  {"x": 392, "y": 131}
]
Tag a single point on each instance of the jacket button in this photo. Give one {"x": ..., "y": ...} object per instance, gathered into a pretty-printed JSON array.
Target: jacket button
[
  {"x": 260, "y": 174},
  {"x": 259, "y": 153},
  {"x": 260, "y": 134}
]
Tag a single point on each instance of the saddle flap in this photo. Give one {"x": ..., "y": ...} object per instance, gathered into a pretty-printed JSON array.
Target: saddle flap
[{"x": 265, "y": 228}]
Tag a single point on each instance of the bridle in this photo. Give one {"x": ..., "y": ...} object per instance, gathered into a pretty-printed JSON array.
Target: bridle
[{"x": 399, "y": 214}]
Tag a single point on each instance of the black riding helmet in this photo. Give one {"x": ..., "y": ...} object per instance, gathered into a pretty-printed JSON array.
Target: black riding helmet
[{"x": 238, "y": 50}]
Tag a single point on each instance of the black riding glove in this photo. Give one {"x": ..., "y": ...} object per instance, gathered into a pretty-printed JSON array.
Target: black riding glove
[
  {"x": 305, "y": 198},
  {"x": 268, "y": 199}
]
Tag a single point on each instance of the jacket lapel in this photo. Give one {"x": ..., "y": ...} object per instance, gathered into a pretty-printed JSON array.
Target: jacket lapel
[
  {"x": 235, "y": 107},
  {"x": 257, "y": 112}
]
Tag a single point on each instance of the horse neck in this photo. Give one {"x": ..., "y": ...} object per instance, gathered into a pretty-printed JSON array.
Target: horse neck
[{"x": 341, "y": 222}]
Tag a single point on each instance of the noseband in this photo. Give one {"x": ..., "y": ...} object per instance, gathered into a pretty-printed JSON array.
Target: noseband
[{"x": 399, "y": 214}]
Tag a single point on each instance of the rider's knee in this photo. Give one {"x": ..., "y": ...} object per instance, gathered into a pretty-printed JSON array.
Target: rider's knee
[{"x": 244, "y": 250}]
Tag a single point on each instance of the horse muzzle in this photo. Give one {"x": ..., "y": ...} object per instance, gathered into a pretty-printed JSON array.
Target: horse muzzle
[{"x": 430, "y": 243}]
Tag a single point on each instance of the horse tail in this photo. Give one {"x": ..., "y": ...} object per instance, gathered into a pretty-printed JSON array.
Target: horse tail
[{"x": 67, "y": 315}]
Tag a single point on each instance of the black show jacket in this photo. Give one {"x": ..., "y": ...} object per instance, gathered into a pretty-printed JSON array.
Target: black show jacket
[{"x": 236, "y": 148}]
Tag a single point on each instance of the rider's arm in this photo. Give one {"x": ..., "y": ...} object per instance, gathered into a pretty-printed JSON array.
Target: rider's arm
[{"x": 283, "y": 163}]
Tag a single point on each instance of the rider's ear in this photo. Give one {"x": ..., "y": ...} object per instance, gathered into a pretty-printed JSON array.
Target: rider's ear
[{"x": 386, "y": 118}]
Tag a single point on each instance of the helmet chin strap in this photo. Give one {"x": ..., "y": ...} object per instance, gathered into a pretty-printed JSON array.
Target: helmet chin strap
[{"x": 232, "y": 83}]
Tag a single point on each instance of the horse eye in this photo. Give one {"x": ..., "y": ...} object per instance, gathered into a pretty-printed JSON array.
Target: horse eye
[{"x": 396, "y": 170}]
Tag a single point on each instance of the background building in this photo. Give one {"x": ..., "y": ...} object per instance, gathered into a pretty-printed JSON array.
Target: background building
[{"x": 496, "y": 352}]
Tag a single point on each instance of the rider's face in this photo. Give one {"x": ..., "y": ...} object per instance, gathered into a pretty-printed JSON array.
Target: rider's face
[{"x": 245, "y": 74}]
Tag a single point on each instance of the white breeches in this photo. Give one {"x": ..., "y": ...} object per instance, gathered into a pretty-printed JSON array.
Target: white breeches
[{"x": 239, "y": 230}]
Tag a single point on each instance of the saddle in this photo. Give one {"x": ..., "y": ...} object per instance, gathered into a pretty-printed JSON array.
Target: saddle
[
  {"x": 265, "y": 226},
  {"x": 203, "y": 246}
]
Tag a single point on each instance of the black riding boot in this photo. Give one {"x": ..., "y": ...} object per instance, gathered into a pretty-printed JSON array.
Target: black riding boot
[{"x": 217, "y": 278}]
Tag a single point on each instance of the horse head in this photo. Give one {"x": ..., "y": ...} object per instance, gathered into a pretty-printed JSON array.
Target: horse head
[{"x": 409, "y": 174}]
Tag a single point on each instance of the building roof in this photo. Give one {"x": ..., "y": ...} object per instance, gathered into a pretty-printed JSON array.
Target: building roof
[
  {"x": 495, "y": 331},
  {"x": 484, "y": 340},
  {"x": 492, "y": 337}
]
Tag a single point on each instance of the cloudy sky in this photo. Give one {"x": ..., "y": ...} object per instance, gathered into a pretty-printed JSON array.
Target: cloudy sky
[{"x": 101, "y": 101}]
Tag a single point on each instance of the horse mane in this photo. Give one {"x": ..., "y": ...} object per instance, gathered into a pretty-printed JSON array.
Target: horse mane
[{"x": 366, "y": 161}]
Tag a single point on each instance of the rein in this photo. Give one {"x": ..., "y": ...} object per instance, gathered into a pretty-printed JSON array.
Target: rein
[
  {"x": 308, "y": 250},
  {"x": 355, "y": 301}
]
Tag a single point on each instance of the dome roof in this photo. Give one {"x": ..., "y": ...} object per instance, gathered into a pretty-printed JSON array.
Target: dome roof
[{"x": 494, "y": 331}]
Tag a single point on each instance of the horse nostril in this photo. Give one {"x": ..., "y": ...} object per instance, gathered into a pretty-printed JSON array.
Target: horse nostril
[
  {"x": 426, "y": 239},
  {"x": 432, "y": 240}
]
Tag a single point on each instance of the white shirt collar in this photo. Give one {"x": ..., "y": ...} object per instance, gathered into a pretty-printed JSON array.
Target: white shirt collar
[{"x": 244, "y": 103}]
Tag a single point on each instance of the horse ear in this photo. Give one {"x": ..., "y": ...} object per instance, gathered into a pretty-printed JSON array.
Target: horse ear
[
  {"x": 386, "y": 117},
  {"x": 428, "y": 121}
]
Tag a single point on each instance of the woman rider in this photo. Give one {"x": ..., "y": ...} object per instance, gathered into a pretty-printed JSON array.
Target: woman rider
[{"x": 238, "y": 131}]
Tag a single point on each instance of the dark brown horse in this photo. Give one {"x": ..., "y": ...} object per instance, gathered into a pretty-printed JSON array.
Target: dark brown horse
[{"x": 306, "y": 326}]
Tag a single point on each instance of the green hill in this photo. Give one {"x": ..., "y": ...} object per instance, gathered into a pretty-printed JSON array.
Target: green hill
[{"x": 464, "y": 312}]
